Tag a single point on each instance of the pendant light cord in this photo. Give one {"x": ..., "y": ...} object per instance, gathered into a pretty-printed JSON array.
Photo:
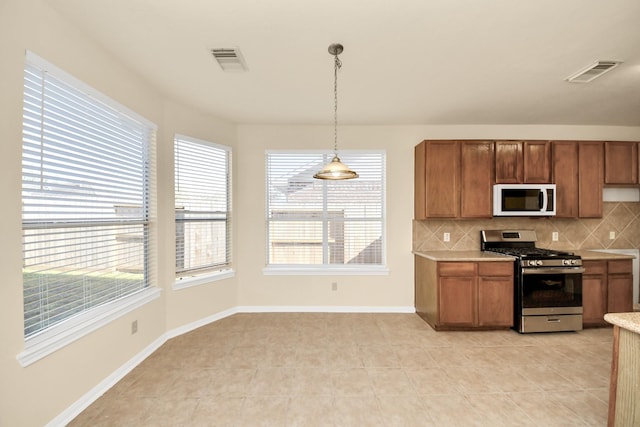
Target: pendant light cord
[{"x": 337, "y": 65}]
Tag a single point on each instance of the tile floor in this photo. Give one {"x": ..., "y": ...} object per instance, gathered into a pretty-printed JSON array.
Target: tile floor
[{"x": 320, "y": 369}]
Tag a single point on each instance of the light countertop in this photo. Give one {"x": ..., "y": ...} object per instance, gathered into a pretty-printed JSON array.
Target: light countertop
[
  {"x": 470, "y": 256},
  {"x": 597, "y": 255},
  {"x": 478, "y": 255},
  {"x": 629, "y": 321}
]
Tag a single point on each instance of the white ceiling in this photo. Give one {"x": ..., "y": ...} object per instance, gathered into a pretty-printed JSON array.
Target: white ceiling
[{"x": 405, "y": 61}]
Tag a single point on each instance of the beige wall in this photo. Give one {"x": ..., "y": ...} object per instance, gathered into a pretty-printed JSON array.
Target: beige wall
[{"x": 36, "y": 394}]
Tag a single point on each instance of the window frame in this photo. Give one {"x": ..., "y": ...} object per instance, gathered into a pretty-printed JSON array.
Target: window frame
[
  {"x": 59, "y": 334},
  {"x": 202, "y": 275},
  {"x": 328, "y": 268}
]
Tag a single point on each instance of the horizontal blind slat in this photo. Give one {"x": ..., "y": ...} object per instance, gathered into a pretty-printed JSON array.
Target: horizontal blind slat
[{"x": 86, "y": 178}]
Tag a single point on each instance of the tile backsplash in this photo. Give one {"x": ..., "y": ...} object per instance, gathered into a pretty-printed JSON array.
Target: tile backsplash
[{"x": 622, "y": 218}]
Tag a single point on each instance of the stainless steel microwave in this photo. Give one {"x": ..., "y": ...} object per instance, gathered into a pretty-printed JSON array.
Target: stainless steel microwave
[{"x": 524, "y": 200}]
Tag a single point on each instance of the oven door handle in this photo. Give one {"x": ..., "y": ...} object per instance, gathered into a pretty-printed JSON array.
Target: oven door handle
[{"x": 553, "y": 270}]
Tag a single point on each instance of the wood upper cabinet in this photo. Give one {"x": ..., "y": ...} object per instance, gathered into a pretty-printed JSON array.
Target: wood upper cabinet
[
  {"x": 476, "y": 177},
  {"x": 621, "y": 163},
  {"x": 518, "y": 162},
  {"x": 590, "y": 179},
  {"x": 578, "y": 173},
  {"x": 453, "y": 179},
  {"x": 508, "y": 163},
  {"x": 437, "y": 179},
  {"x": 565, "y": 176}
]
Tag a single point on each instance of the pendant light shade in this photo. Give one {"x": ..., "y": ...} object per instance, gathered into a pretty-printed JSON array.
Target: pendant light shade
[{"x": 335, "y": 170}]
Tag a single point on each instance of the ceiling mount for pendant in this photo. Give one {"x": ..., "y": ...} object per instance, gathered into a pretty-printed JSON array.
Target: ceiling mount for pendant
[{"x": 335, "y": 170}]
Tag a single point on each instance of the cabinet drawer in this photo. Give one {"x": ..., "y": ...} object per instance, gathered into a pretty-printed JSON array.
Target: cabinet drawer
[
  {"x": 495, "y": 268},
  {"x": 623, "y": 266},
  {"x": 594, "y": 267},
  {"x": 456, "y": 268}
]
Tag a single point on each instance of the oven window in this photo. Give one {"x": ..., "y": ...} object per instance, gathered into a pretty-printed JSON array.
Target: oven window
[{"x": 551, "y": 290}]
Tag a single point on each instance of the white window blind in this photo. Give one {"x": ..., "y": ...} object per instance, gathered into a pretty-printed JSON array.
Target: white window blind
[
  {"x": 86, "y": 174},
  {"x": 203, "y": 206},
  {"x": 322, "y": 222}
]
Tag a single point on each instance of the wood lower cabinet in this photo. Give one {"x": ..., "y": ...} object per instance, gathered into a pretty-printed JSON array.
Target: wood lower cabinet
[
  {"x": 464, "y": 295},
  {"x": 495, "y": 294},
  {"x": 607, "y": 287},
  {"x": 594, "y": 293},
  {"x": 620, "y": 286}
]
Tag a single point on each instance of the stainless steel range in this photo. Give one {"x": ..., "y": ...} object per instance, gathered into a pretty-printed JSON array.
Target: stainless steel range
[{"x": 548, "y": 283}]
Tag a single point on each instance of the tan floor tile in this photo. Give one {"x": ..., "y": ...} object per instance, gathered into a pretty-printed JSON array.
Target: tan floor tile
[
  {"x": 382, "y": 356},
  {"x": 349, "y": 411},
  {"x": 351, "y": 382},
  {"x": 404, "y": 411},
  {"x": 310, "y": 411},
  {"x": 390, "y": 381},
  {"x": 270, "y": 411},
  {"x": 499, "y": 410},
  {"x": 312, "y": 381},
  {"x": 356, "y": 369},
  {"x": 543, "y": 410},
  {"x": 229, "y": 382},
  {"x": 427, "y": 381},
  {"x": 271, "y": 381},
  {"x": 220, "y": 411}
]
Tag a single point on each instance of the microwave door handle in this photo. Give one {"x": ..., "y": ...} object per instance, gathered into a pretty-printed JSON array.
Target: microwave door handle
[{"x": 545, "y": 200}]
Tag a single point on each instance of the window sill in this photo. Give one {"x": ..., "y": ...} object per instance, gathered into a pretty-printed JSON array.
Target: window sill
[
  {"x": 63, "y": 334},
  {"x": 297, "y": 270},
  {"x": 188, "y": 282}
]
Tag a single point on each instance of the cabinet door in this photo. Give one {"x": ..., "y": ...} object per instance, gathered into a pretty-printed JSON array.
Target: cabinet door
[
  {"x": 476, "y": 179},
  {"x": 620, "y": 286},
  {"x": 495, "y": 301},
  {"x": 536, "y": 162},
  {"x": 565, "y": 176},
  {"x": 620, "y": 290},
  {"x": 621, "y": 163},
  {"x": 594, "y": 292},
  {"x": 590, "y": 175},
  {"x": 442, "y": 187},
  {"x": 508, "y": 163},
  {"x": 457, "y": 301}
]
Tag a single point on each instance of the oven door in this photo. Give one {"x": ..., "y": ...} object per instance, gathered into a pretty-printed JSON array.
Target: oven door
[{"x": 551, "y": 290}]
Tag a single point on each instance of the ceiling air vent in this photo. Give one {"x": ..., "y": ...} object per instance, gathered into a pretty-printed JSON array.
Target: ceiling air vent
[
  {"x": 592, "y": 71},
  {"x": 230, "y": 59}
]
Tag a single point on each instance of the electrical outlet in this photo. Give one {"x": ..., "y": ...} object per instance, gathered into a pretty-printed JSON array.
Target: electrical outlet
[
  {"x": 134, "y": 327},
  {"x": 446, "y": 237},
  {"x": 612, "y": 235},
  {"x": 334, "y": 286},
  {"x": 554, "y": 236}
]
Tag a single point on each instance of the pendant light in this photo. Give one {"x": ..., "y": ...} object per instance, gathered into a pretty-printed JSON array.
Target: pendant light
[{"x": 335, "y": 169}]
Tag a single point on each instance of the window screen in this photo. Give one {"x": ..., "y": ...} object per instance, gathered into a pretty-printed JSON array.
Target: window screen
[
  {"x": 203, "y": 201},
  {"x": 322, "y": 222},
  {"x": 86, "y": 170}
]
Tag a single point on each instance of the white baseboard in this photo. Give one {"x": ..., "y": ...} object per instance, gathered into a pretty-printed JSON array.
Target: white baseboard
[
  {"x": 323, "y": 309},
  {"x": 85, "y": 401}
]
